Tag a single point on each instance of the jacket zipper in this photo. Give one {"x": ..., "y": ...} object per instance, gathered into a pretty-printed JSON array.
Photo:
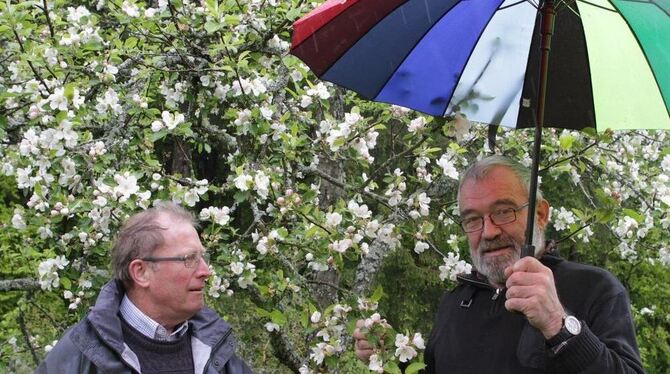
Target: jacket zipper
[
  {"x": 495, "y": 304},
  {"x": 214, "y": 349}
]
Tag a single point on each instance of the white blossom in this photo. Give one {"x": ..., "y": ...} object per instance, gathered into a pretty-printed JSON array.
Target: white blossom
[
  {"x": 17, "y": 221},
  {"x": 404, "y": 350},
  {"x": 48, "y": 272},
  {"x": 564, "y": 218},
  {"x": 57, "y": 100},
  {"x": 448, "y": 167},
  {"x": 315, "y": 317},
  {"x": 243, "y": 182},
  {"x": 271, "y": 326},
  {"x": 416, "y": 124},
  {"x": 237, "y": 268},
  {"x": 360, "y": 211},
  {"x": 126, "y": 185},
  {"x": 261, "y": 184},
  {"x": 418, "y": 342},
  {"x": 420, "y": 246},
  {"x": 376, "y": 363},
  {"x": 333, "y": 219},
  {"x": 664, "y": 256}
]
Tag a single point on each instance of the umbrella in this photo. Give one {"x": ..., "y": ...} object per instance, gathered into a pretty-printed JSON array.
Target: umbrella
[{"x": 489, "y": 60}]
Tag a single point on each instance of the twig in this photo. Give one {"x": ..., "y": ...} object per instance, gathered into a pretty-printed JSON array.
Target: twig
[
  {"x": 26, "y": 336},
  {"x": 30, "y": 63},
  {"x": 334, "y": 286},
  {"x": 45, "y": 9}
]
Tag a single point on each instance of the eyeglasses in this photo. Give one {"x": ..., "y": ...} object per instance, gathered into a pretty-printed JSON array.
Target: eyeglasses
[
  {"x": 498, "y": 217},
  {"x": 190, "y": 260}
]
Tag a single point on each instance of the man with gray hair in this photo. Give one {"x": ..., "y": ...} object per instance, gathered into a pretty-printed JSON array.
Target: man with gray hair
[
  {"x": 539, "y": 314},
  {"x": 151, "y": 317}
]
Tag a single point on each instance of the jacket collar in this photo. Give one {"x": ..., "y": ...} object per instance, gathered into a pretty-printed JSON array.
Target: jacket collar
[{"x": 207, "y": 326}]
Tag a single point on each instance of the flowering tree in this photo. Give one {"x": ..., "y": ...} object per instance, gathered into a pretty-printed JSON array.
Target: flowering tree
[{"x": 318, "y": 208}]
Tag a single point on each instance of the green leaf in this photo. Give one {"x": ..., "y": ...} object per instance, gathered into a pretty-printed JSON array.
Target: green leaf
[
  {"x": 130, "y": 43},
  {"x": 604, "y": 215},
  {"x": 634, "y": 215},
  {"x": 312, "y": 231},
  {"x": 278, "y": 317},
  {"x": 283, "y": 233},
  {"x": 415, "y": 367},
  {"x": 158, "y": 135},
  {"x": 66, "y": 282},
  {"x": 566, "y": 141},
  {"x": 212, "y": 27},
  {"x": 378, "y": 294},
  {"x": 231, "y": 20},
  {"x": 262, "y": 312},
  {"x": 392, "y": 367},
  {"x": 241, "y": 196}
]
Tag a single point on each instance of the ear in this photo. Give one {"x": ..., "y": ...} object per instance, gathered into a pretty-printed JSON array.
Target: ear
[
  {"x": 542, "y": 213},
  {"x": 140, "y": 272}
]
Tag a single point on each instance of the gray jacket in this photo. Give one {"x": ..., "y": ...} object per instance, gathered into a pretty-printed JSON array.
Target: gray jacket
[{"x": 95, "y": 344}]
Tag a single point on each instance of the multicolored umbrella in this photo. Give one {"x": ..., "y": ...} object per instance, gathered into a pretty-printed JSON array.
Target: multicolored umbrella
[{"x": 489, "y": 60}]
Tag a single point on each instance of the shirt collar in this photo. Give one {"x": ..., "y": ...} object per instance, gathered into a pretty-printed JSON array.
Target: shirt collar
[{"x": 147, "y": 326}]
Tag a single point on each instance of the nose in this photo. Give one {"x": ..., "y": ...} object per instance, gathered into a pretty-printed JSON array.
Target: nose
[
  {"x": 490, "y": 229},
  {"x": 203, "y": 268}
]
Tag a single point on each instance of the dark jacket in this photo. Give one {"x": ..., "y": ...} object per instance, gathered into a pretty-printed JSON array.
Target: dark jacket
[
  {"x": 95, "y": 344},
  {"x": 474, "y": 333}
]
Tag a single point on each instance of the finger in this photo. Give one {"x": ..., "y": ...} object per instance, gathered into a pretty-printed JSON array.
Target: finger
[
  {"x": 363, "y": 345},
  {"x": 524, "y": 278},
  {"x": 528, "y": 264},
  {"x": 517, "y": 305},
  {"x": 359, "y": 335},
  {"x": 360, "y": 323},
  {"x": 522, "y": 292},
  {"x": 364, "y": 354}
]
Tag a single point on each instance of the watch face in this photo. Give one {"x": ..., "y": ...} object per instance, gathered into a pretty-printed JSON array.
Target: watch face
[{"x": 573, "y": 325}]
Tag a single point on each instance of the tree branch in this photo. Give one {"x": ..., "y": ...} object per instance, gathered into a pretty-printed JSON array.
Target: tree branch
[{"x": 19, "y": 284}]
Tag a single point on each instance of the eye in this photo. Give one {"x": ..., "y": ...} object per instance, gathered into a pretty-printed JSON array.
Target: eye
[
  {"x": 470, "y": 220},
  {"x": 190, "y": 259}
]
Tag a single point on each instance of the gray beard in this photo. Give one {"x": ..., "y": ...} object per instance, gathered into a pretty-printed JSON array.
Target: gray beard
[{"x": 494, "y": 268}]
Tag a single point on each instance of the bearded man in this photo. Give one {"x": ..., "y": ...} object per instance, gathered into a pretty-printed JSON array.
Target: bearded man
[{"x": 539, "y": 314}]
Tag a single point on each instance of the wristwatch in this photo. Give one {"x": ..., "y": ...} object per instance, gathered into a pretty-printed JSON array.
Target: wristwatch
[{"x": 571, "y": 327}]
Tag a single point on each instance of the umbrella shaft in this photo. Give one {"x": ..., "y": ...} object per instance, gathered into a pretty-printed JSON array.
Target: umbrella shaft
[{"x": 548, "y": 15}]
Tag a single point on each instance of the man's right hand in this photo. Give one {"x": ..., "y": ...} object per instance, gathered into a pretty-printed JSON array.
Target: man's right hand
[{"x": 361, "y": 344}]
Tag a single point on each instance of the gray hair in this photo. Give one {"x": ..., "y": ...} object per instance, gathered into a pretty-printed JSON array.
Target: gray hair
[
  {"x": 141, "y": 235},
  {"x": 480, "y": 169}
]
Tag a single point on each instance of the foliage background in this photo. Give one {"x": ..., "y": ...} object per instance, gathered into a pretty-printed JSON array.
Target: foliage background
[{"x": 314, "y": 203}]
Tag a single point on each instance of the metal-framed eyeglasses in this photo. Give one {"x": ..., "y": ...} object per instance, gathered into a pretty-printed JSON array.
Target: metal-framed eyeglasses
[
  {"x": 498, "y": 218},
  {"x": 190, "y": 260}
]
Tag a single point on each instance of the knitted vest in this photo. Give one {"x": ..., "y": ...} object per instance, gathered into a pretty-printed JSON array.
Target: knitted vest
[{"x": 174, "y": 357}]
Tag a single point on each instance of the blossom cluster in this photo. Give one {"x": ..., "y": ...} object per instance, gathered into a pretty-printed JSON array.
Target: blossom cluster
[
  {"x": 331, "y": 330},
  {"x": 453, "y": 266}
]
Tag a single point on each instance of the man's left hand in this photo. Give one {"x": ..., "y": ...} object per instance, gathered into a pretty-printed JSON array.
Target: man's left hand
[{"x": 531, "y": 290}]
